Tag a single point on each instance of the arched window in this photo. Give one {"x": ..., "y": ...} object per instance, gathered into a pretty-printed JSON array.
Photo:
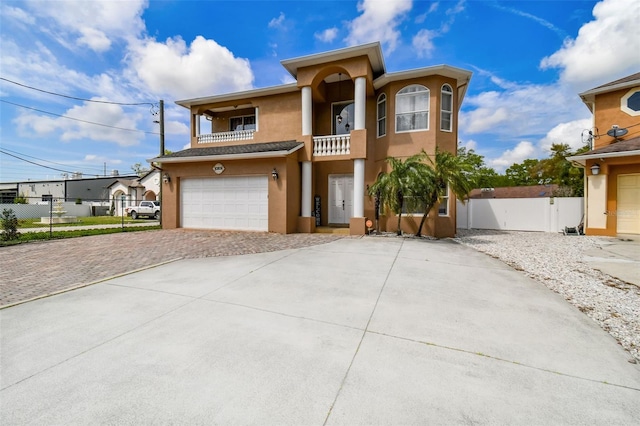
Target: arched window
[
  {"x": 412, "y": 109},
  {"x": 382, "y": 115},
  {"x": 446, "y": 108}
]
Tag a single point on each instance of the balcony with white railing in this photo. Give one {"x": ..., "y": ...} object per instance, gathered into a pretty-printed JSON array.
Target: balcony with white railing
[
  {"x": 238, "y": 135},
  {"x": 331, "y": 145}
]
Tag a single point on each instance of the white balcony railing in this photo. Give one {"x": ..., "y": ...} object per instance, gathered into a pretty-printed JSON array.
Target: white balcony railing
[
  {"x": 331, "y": 145},
  {"x": 239, "y": 135}
]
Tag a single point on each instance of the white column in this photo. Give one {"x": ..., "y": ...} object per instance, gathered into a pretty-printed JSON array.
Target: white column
[
  {"x": 358, "y": 187},
  {"x": 196, "y": 117},
  {"x": 360, "y": 97},
  {"x": 257, "y": 121},
  {"x": 306, "y": 110},
  {"x": 305, "y": 208}
]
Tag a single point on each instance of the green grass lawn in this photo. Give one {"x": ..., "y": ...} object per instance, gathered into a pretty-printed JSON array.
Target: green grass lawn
[
  {"x": 82, "y": 221},
  {"x": 55, "y": 235}
]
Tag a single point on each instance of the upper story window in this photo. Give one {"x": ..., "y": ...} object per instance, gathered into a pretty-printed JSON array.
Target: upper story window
[
  {"x": 382, "y": 115},
  {"x": 246, "y": 122},
  {"x": 446, "y": 108},
  {"x": 412, "y": 109},
  {"x": 631, "y": 102}
]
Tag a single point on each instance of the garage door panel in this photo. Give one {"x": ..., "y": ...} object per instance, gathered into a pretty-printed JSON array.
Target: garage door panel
[{"x": 239, "y": 203}]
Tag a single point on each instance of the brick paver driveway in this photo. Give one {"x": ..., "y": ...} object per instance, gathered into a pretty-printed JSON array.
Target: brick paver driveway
[{"x": 32, "y": 270}]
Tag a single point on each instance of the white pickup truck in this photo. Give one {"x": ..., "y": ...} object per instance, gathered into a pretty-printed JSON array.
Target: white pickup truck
[{"x": 145, "y": 208}]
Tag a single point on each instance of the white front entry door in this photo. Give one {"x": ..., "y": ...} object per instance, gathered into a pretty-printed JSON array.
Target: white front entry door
[{"x": 340, "y": 198}]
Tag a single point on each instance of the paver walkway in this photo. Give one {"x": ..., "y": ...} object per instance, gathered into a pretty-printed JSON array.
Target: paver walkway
[{"x": 36, "y": 269}]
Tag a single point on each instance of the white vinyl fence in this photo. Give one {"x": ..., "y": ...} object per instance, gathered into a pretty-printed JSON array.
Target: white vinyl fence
[{"x": 521, "y": 214}]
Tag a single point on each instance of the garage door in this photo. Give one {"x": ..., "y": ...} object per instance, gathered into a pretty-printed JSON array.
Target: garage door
[
  {"x": 628, "y": 211},
  {"x": 237, "y": 202}
]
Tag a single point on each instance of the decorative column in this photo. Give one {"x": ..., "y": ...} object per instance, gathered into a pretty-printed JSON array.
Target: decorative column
[
  {"x": 306, "y": 198},
  {"x": 360, "y": 97},
  {"x": 358, "y": 187},
  {"x": 306, "y": 111}
]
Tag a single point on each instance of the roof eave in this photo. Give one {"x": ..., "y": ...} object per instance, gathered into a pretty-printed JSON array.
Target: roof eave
[
  {"x": 247, "y": 94},
  {"x": 581, "y": 159},
  {"x": 372, "y": 50},
  {"x": 242, "y": 156}
]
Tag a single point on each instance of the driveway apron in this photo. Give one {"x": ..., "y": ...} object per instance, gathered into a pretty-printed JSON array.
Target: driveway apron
[{"x": 372, "y": 330}]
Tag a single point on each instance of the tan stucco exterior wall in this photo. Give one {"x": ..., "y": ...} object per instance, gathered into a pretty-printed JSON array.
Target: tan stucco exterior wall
[
  {"x": 607, "y": 112},
  {"x": 602, "y": 204}
]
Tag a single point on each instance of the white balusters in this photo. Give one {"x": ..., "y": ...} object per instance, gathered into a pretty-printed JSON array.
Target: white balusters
[{"x": 331, "y": 145}]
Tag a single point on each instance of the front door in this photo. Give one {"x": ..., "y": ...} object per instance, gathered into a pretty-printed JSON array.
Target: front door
[{"x": 340, "y": 198}]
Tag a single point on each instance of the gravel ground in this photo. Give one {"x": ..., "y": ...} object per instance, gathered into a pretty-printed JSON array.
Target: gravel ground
[{"x": 557, "y": 262}]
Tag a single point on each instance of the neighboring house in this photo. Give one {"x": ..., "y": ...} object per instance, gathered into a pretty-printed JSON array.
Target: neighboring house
[
  {"x": 288, "y": 158},
  {"x": 531, "y": 191},
  {"x": 129, "y": 191},
  {"x": 612, "y": 167}
]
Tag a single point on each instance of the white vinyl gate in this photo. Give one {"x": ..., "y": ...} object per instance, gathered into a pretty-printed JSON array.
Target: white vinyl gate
[{"x": 232, "y": 203}]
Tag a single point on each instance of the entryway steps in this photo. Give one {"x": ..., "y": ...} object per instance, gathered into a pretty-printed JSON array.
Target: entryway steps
[{"x": 331, "y": 230}]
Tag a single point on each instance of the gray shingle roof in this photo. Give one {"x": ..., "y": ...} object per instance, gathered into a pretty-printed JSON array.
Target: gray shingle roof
[
  {"x": 234, "y": 149},
  {"x": 632, "y": 144}
]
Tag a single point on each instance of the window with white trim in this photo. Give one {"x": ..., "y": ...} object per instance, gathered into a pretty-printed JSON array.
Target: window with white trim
[
  {"x": 446, "y": 108},
  {"x": 412, "y": 109},
  {"x": 382, "y": 115},
  {"x": 443, "y": 207},
  {"x": 245, "y": 122},
  {"x": 631, "y": 102}
]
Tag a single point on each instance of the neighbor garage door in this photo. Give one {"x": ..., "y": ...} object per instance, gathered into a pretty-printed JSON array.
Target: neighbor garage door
[
  {"x": 237, "y": 202},
  {"x": 628, "y": 212}
]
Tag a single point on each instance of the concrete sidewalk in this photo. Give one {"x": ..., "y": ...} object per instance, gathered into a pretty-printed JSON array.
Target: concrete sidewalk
[
  {"x": 356, "y": 331},
  {"x": 618, "y": 257}
]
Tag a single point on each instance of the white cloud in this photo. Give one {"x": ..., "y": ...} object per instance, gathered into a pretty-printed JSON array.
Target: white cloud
[
  {"x": 469, "y": 144},
  {"x": 520, "y": 110},
  {"x": 378, "y": 22},
  {"x": 181, "y": 71},
  {"x": 277, "y": 22},
  {"x": 605, "y": 49},
  {"x": 328, "y": 35},
  {"x": 31, "y": 124},
  {"x": 423, "y": 44},
  {"x": 91, "y": 23},
  {"x": 16, "y": 14},
  {"x": 518, "y": 154},
  {"x": 571, "y": 133}
]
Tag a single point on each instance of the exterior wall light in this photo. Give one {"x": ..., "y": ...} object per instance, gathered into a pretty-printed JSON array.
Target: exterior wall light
[
  {"x": 166, "y": 178},
  {"x": 595, "y": 169},
  {"x": 274, "y": 174}
]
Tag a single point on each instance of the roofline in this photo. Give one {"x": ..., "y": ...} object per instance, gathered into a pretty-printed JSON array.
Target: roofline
[
  {"x": 462, "y": 76},
  {"x": 581, "y": 159},
  {"x": 372, "y": 50},
  {"x": 247, "y": 94},
  {"x": 244, "y": 156},
  {"x": 589, "y": 96}
]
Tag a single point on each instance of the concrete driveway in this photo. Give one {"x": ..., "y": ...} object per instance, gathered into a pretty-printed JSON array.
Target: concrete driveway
[{"x": 357, "y": 331}]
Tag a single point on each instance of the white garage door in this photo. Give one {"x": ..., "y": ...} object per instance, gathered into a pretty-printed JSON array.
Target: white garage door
[
  {"x": 628, "y": 212},
  {"x": 237, "y": 202}
]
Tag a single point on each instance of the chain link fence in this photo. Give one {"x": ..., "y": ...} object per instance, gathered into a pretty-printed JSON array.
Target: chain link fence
[{"x": 42, "y": 214}]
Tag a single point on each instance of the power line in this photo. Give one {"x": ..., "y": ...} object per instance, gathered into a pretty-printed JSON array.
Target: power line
[
  {"x": 75, "y": 98},
  {"x": 77, "y": 119},
  {"x": 32, "y": 162},
  {"x": 48, "y": 161}
]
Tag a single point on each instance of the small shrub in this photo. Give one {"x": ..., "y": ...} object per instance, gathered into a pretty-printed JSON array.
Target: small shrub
[
  {"x": 9, "y": 225},
  {"x": 20, "y": 199},
  {"x": 78, "y": 200}
]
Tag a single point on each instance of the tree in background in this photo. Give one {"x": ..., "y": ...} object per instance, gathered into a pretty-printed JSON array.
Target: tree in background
[
  {"x": 478, "y": 172},
  {"x": 558, "y": 170},
  {"x": 392, "y": 187},
  {"x": 524, "y": 174}
]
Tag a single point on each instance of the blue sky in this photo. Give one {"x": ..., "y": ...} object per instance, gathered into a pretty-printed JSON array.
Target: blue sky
[{"x": 529, "y": 59}]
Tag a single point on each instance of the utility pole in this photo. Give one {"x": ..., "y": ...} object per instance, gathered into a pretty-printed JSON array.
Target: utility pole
[{"x": 161, "y": 120}]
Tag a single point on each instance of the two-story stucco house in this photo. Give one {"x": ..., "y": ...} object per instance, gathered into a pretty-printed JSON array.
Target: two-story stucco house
[
  {"x": 612, "y": 167},
  {"x": 293, "y": 157}
]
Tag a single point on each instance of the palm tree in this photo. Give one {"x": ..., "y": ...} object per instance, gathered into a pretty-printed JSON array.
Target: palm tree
[
  {"x": 447, "y": 171},
  {"x": 391, "y": 188}
]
